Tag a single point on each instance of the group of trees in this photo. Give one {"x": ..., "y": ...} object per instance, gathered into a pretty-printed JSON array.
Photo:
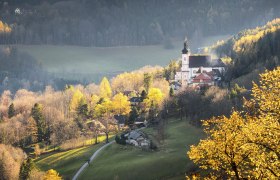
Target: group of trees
[
  {"x": 53, "y": 117},
  {"x": 57, "y": 118},
  {"x": 114, "y": 23},
  {"x": 252, "y": 51},
  {"x": 199, "y": 105},
  {"x": 39, "y": 119},
  {"x": 246, "y": 144},
  {"x": 14, "y": 164}
]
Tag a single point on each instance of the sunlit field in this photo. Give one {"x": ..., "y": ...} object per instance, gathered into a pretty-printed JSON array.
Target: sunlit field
[
  {"x": 127, "y": 162},
  {"x": 68, "y": 162}
]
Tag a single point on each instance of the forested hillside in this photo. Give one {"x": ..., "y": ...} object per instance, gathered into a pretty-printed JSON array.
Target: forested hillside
[
  {"x": 251, "y": 52},
  {"x": 128, "y": 22}
]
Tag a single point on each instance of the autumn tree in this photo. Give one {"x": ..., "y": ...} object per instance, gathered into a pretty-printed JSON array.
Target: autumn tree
[
  {"x": 37, "y": 150},
  {"x": 104, "y": 111},
  {"x": 105, "y": 88},
  {"x": 148, "y": 80},
  {"x": 52, "y": 175},
  {"x": 153, "y": 102},
  {"x": 245, "y": 145},
  {"x": 76, "y": 99},
  {"x": 155, "y": 98},
  {"x": 121, "y": 104},
  {"x": 170, "y": 71},
  {"x": 10, "y": 162}
]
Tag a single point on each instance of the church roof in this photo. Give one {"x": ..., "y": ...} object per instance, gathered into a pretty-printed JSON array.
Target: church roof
[
  {"x": 186, "y": 47},
  {"x": 203, "y": 77},
  {"x": 204, "y": 61}
]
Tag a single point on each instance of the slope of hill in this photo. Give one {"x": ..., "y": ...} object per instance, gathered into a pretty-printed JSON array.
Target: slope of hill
[
  {"x": 251, "y": 51},
  {"x": 169, "y": 162},
  {"x": 128, "y": 22}
]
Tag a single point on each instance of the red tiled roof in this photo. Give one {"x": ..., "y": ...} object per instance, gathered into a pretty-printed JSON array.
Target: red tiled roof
[{"x": 202, "y": 77}]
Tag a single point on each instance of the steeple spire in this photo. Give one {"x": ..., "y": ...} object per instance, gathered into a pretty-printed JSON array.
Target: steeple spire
[{"x": 186, "y": 46}]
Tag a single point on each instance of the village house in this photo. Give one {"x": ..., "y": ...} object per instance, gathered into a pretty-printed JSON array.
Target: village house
[
  {"x": 198, "y": 70},
  {"x": 120, "y": 120},
  {"x": 137, "y": 138},
  {"x": 135, "y": 101}
]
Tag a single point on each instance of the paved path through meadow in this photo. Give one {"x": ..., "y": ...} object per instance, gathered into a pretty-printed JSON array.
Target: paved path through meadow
[{"x": 90, "y": 160}]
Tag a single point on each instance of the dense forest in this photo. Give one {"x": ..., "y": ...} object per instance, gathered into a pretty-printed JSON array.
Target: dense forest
[
  {"x": 250, "y": 52},
  {"x": 128, "y": 22}
]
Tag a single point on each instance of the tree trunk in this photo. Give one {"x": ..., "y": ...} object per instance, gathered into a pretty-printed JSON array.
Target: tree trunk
[
  {"x": 107, "y": 137},
  {"x": 96, "y": 138},
  {"x": 234, "y": 168}
]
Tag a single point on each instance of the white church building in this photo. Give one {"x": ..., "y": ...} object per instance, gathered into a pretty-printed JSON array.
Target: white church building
[{"x": 199, "y": 70}]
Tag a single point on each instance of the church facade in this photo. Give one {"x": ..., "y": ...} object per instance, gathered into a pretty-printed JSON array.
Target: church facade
[{"x": 199, "y": 70}]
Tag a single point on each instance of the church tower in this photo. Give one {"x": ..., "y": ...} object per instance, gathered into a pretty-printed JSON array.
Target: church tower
[{"x": 185, "y": 64}]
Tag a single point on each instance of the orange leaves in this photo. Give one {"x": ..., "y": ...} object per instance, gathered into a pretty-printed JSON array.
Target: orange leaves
[{"x": 4, "y": 28}]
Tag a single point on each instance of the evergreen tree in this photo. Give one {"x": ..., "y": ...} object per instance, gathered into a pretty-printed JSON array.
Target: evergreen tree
[
  {"x": 26, "y": 169},
  {"x": 11, "y": 111},
  {"x": 171, "y": 92},
  {"x": 143, "y": 95},
  {"x": 132, "y": 116},
  {"x": 36, "y": 113},
  {"x": 82, "y": 109},
  {"x": 32, "y": 130}
]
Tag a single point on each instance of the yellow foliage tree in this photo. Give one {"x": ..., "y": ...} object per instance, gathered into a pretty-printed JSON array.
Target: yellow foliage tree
[
  {"x": 105, "y": 88},
  {"x": 4, "y": 28},
  {"x": 155, "y": 98},
  {"x": 127, "y": 81},
  {"x": 103, "y": 111},
  {"x": 52, "y": 175},
  {"x": 76, "y": 98},
  {"x": 121, "y": 104},
  {"x": 246, "y": 145},
  {"x": 93, "y": 101}
]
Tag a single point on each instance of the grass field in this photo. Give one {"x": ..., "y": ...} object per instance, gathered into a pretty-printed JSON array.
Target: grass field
[
  {"x": 68, "y": 162},
  {"x": 127, "y": 162},
  {"x": 92, "y": 63}
]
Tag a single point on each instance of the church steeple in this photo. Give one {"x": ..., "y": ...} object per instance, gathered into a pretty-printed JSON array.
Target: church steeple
[{"x": 186, "y": 47}]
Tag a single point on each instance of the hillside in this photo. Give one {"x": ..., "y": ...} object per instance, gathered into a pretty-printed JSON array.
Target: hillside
[
  {"x": 128, "y": 22},
  {"x": 251, "y": 52},
  {"x": 169, "y": 162}
]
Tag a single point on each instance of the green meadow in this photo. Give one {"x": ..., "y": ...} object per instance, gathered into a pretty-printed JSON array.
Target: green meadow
[
  {"x": 67, "y": 163},
  {"x": 127, "y": 162}
]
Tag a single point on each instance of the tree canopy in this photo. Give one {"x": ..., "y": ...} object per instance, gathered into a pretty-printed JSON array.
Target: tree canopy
[
  {"x": 245, "y": 145},
  {"x": 105, "y": 88}
]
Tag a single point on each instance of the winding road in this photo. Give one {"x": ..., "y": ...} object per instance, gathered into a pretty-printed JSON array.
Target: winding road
[{"x": 91, "y": 159}]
